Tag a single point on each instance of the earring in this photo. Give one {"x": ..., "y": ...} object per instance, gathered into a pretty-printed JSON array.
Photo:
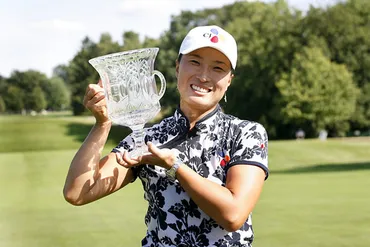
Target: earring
[{"x": 225, "y": 98}]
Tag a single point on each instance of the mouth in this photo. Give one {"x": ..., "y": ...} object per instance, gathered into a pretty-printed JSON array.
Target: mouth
[{"x": 200, "y": 89}]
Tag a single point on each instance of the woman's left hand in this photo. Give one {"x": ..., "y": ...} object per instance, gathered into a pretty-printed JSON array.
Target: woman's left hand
[{"x": 161, "y": 157}]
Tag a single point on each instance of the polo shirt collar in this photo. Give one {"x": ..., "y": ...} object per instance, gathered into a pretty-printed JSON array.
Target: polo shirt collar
[{"x": 201, "y": 126}]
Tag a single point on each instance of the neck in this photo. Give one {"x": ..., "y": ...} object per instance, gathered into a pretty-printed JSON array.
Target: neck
[{"x": 194, "y": 115}]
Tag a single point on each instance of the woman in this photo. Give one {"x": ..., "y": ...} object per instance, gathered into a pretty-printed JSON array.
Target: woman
[{"x": 205, "y": 170}]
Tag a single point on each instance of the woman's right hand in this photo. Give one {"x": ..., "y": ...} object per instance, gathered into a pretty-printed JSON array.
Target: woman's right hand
[{"x": 95, "y": 101}]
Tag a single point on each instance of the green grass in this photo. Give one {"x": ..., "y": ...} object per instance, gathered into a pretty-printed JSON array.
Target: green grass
[
  {"x": 34, "y": 213},
  {"x": 40, "y": 133},
  {"x": 316, "y": 195}
]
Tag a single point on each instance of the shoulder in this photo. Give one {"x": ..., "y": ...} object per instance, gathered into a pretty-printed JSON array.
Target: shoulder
[
  {"x": 164, "y": 124},
  {"x": 244, "y": 127}
]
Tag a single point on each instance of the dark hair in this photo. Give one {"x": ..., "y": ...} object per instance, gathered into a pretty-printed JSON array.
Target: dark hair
[{"x": 179, "y": 57}]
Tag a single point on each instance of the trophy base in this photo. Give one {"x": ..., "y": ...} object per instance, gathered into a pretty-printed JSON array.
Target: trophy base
[{"x": 143, "y": 150}]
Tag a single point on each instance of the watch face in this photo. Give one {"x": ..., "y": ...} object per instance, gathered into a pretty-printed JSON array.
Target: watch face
[{"x": 171, "y": 173}]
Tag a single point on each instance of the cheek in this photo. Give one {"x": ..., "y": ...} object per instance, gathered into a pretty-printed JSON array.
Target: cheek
[
  {"x": 181, "y": 82},
  {"x": 182, "y": 77},
  {"x": 223, "y": 85}
]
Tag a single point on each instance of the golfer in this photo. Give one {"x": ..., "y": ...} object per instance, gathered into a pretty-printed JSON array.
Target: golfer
[{"x": 205, "y": 170}]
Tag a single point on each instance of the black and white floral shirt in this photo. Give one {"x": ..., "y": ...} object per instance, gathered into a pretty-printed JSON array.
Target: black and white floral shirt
[{"x": 216, "y": 143}]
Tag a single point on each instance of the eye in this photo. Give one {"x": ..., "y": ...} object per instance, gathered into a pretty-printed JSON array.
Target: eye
[
  {"x": 195, "y": 62},
  {"x": 218, "y": 69}
]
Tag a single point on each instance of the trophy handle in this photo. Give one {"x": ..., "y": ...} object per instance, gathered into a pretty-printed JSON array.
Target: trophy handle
[{"x": 163, "y": 83}]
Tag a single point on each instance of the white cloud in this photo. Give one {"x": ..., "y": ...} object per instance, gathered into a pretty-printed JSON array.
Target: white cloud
[
  {"x": 59, "y": 24},
  {"x": 140, "y": 7}
]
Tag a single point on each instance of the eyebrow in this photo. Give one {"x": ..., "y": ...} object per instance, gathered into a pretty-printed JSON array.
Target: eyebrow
[{"x": 197, "y": 56}]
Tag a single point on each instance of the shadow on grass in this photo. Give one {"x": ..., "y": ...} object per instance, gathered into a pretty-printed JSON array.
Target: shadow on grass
[
  {"x": 326, "y": 168},
  {"x": 79, "y": 131}
]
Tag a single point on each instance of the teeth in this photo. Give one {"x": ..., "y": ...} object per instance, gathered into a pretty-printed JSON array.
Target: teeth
[{"x": 199, "y": 89}]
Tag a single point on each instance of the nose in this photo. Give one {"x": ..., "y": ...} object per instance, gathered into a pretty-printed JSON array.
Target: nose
[{"x": 203, "y": 75}]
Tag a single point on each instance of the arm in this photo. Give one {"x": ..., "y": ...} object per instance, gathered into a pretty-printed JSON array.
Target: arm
[
  {"x": 90, "y": 177},
  {"x": 231, "y": 205}
]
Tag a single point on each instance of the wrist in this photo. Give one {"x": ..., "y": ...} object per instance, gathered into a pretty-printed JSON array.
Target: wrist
[
  {"x": 103, "y": 124},
  {"x": 172, "y": 171},
  {"x": 170, "y": 162}
]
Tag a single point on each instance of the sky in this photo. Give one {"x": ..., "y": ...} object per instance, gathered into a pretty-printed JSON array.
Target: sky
[{"x": 41, "y": 34}]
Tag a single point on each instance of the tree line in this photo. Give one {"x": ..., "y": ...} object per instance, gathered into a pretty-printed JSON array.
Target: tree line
[{"x": 295, "y": 70}]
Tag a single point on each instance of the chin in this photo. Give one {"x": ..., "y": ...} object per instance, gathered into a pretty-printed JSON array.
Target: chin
[
  {"x": 197, "y": 100},
  {"x": 202, "y": 105}
]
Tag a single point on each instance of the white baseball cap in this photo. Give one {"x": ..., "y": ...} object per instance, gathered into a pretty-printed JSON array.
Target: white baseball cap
[{"x": 210, "y": 36}]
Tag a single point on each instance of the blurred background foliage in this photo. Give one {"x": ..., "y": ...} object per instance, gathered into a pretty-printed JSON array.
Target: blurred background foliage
[{"x": 295, "y": 70}]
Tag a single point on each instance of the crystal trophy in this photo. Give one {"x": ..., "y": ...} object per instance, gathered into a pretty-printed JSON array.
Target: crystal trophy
[{"x": 130, "y": 89}]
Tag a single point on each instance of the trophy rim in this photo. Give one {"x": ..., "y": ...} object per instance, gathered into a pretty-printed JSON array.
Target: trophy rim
[{"x": 122, "y": 53}]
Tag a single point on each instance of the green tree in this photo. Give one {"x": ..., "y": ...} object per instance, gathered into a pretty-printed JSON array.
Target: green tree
[
  {"x": 2, "y": 84},
  {"x": 2, "y": 105},
  {"x": 267, "y": 40},
  {"x": 345, "y": 28},
  {"x": 37, "y": 101},
  {"x": 60, "y": 96},
  {"x": 27, "y": 81},
  {"x": 62, "y": 71},
  {"x": 131, "y": 41},
  {"x": 317, "y": 93},
  {"x": 3, "y": 88},
  {"x": 269, "y": 37},
  {"x": 361, "y": 117},
  {"x": 106, "y": 45},
  {"x": 150, "y": 42},
  {"x": 81, "y": 73},
  {"x": 13, "y": 99}
]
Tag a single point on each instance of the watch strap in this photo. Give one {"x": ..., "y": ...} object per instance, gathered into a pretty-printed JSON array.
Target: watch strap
[{"x": 171, "y": 173}]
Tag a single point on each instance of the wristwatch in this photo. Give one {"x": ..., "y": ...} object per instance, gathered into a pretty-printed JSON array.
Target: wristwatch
[{"x": 171, "y": 173}]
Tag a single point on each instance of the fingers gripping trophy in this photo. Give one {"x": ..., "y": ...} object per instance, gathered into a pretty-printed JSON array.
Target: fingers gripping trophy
[{"x": 130, "y": 88}]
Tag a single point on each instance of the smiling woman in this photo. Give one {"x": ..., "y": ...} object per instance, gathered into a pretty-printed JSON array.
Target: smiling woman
[
  {"x": 205, "y": 169},
  {"x": 203, "y": 77}
]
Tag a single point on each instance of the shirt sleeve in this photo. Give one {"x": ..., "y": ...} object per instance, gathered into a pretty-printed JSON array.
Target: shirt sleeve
[{"x": 250, "y": 146}]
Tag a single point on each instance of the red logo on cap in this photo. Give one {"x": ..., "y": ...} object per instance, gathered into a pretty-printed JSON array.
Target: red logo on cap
[
  {"x": 213, "y": 35},
  {"x": 214, "y": 39}
]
